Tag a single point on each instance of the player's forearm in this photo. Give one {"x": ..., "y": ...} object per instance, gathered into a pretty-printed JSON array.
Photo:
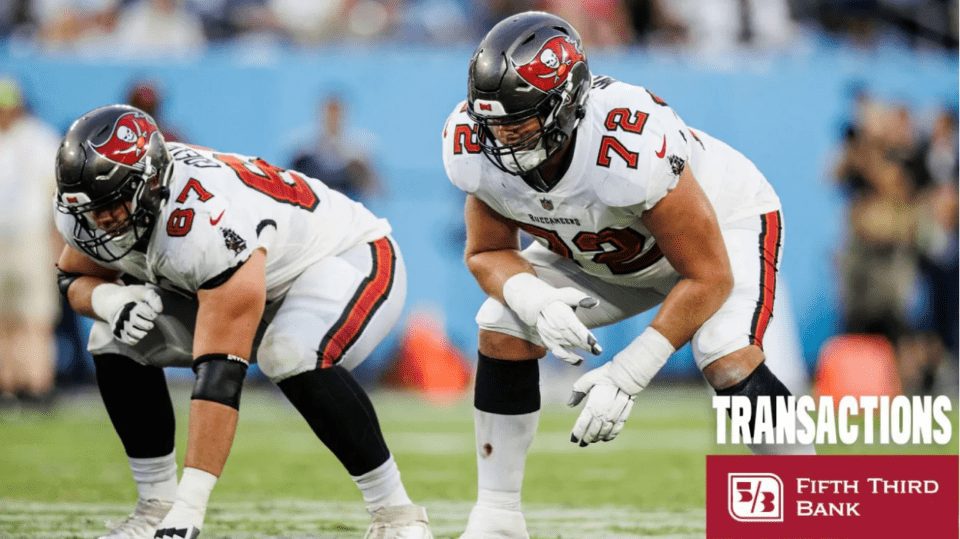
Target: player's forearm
[
  {"x": 212, "y": 428},
  {"x": 689, "y": 304},
  {"x": 214, "y": 410},
  {"x": 78, "y": 276},
  {"x": 227, "y": 320},
  {"x": 80, "y": 293},
  {"x": 210, "y": 436},
  {"x": 492, "y": 269}
]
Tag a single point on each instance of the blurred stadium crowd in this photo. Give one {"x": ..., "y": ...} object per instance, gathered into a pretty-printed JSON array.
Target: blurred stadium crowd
[
  {"x": 898, "y": 173},
  {"x": 182, "y": 26},
  {"x": 896, "y": 167}
]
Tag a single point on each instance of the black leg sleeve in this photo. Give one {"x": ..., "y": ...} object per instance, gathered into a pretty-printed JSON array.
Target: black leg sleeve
[
  {"x": 341, "y": 415},
  {"x": 138, "y": 404},
  {"x": 507, "y": 387},
  {"x": 761, "y": 381}
]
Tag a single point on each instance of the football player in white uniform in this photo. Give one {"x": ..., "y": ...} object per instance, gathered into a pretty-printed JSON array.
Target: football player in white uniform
[
  {"x": 191, "y": 257},
  {"x": 630, "y": 209}
]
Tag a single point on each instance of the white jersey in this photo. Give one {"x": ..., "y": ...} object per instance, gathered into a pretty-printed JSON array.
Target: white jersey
[
  {"x": 629, "y": 152},
  {"x": 223, "y": 206}
]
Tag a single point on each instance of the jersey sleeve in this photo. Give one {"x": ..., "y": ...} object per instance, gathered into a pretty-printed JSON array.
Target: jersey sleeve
[
  {"x": 663, "y": 151},
  {"x": 461, "y": 153},
  {"x": 218, "y": 241}
]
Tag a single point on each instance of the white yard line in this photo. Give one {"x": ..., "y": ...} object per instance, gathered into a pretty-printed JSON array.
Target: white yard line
[{"x": 297, "y": 518}]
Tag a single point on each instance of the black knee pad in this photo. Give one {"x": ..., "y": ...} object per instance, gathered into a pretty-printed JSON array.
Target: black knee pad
[
  {"x": 760, "y": 382},
  {"x": 507, "y": 387},
  {"x": 138, "y": 403}
]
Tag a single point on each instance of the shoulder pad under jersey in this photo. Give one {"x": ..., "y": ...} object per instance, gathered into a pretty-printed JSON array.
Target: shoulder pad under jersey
[
  {"x": 462, "y": 159},
  {"x": 643, "y": 143}
]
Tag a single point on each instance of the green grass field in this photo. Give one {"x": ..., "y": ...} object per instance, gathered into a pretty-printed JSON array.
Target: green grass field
[{"x": 63, "y": 476}]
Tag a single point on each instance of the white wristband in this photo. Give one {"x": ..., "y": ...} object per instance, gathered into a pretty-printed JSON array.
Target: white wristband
[
  {"x": 637, "y": 364},
  {"x": 195, "y": 488},
  {"x": 106, "y": 300},
  {"x": 527, "y": 295}
]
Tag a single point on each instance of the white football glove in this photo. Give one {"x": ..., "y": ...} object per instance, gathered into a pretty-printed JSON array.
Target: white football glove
[
  {"x": 130, "y": 310},
  {"x": 606, "y": 410},
  {"x": 560, "y": 329},
  {"x": 611, "y": 388},
  {"x": 182, "y": 521},
  {"x": 550, "y": 311}
]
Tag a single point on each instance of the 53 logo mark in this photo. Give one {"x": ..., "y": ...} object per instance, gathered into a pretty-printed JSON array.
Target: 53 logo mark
[{"x": 755, "y": 497}]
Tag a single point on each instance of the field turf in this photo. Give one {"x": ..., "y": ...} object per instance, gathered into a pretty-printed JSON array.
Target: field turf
[{"x": 64, "y": 475}]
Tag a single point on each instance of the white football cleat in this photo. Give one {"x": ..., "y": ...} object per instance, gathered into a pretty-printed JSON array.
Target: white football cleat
[
  {"x": 492, "y": 523},
  {"x": 142, "y": 522},
  {"x": 399, "y": 522}
]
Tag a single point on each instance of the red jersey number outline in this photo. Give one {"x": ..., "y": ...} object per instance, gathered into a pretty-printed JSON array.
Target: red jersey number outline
[
  {"x": 180, "y": 222},
  {"x": 624, "y": 258},
  {"x": 256, "y": 174},
  {"x": 266, "y": 178}
]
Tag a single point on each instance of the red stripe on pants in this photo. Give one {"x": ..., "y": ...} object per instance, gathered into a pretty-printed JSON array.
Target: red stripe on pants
[
  {"x": 769, "y": 254},
  {"x": 371, "y": 293}
]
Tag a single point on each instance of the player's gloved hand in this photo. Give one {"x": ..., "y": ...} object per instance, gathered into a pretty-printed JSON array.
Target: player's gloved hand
[
  {"x": 611, "y": 388},
  {"x": 561, "y": 331},
  {"x": 606, "y": 410},
  {"x": 130, "y": 310},
  {"x": 183, "y": 521},
  {"x": 550, "y": 311}
]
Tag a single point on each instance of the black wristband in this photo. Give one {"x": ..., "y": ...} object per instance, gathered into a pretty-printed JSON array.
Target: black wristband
[{"x": 65, "y": 279}]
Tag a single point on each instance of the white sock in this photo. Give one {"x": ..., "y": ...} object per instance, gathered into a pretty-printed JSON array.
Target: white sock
[
  {"x": 381, "y": 487},
  {"x": 502, "y": 445},
  {"x": 156, "y": 477}
]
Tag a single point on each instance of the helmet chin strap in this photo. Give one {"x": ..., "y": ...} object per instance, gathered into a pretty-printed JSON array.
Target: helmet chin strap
[
  {"x": 535, "y": 178},
  {"x": 155, "y": 198}
]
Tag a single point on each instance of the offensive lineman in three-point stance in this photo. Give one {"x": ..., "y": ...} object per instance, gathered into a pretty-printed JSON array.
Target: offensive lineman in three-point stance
[
  {"x": 191, "y": 257},
  {"x": 630, "y": 207}
]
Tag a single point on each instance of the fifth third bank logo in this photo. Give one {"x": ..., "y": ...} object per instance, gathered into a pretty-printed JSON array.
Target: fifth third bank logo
[{"x": 755, "y": 497}]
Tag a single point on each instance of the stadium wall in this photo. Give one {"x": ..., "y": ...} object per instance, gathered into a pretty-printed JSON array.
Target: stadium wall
[{"x": 783, "y": 111}]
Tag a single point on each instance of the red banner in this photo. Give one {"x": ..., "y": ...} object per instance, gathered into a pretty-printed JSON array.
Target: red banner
[{"x": 833, "y": 496}]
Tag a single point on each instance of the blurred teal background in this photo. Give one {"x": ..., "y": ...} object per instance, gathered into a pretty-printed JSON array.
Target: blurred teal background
[{"x": 784, "y": 111}]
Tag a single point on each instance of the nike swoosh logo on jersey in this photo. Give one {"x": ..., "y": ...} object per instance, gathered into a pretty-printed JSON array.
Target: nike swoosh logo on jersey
[
  {"x": 217, "y": 220},
  {"x": 663, "y": 149}
]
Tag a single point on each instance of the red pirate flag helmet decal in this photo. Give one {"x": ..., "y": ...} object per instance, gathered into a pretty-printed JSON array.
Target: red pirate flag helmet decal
[
  {"x": 552, "y": 64},
  {"x": 128, "y": 141}
]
